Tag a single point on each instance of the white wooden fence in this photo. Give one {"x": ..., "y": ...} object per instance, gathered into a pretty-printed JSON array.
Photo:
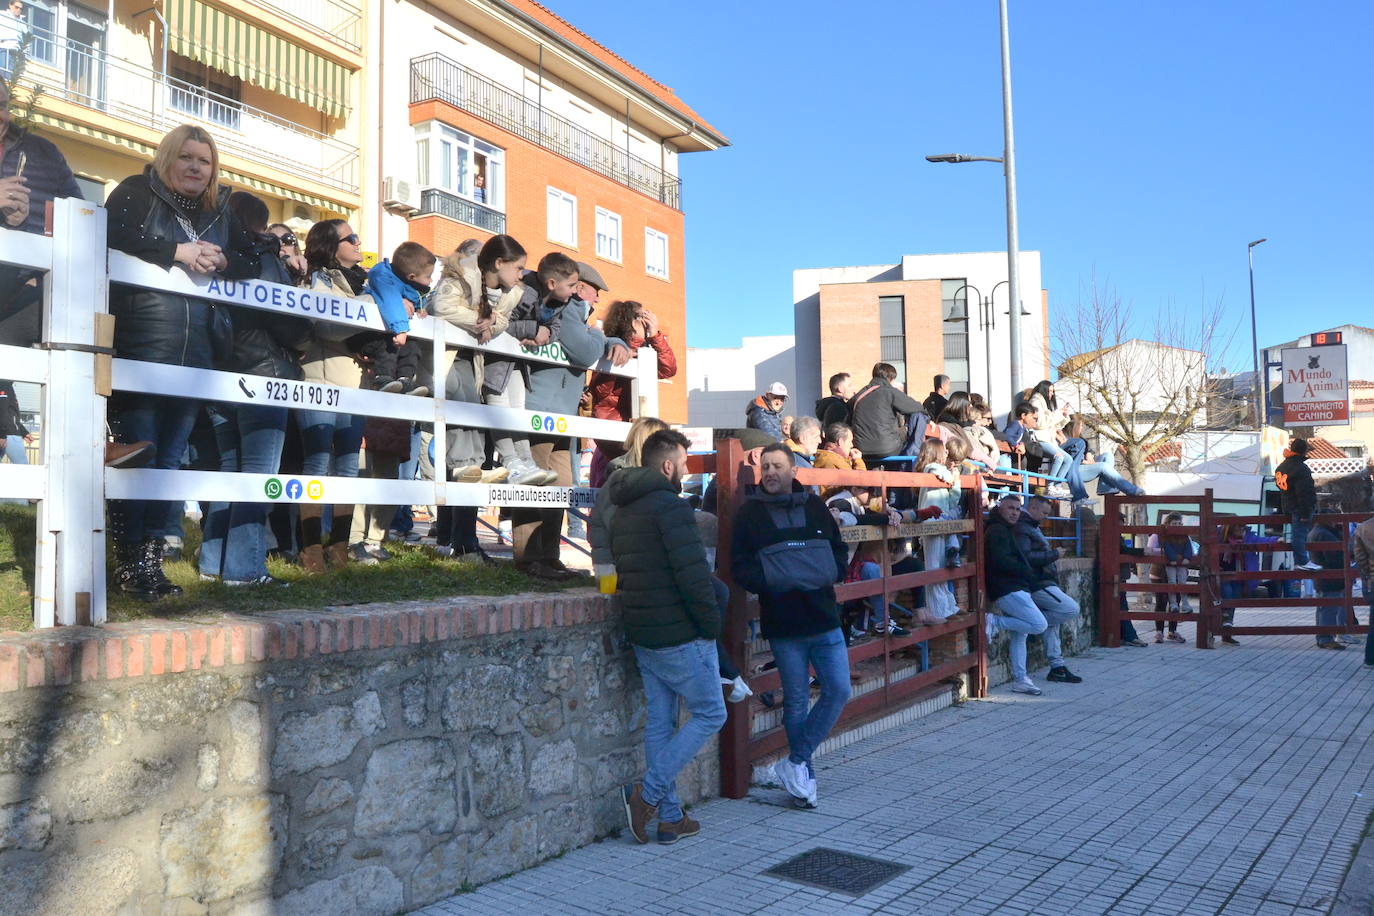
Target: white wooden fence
[{"x": 76, "y": 371}]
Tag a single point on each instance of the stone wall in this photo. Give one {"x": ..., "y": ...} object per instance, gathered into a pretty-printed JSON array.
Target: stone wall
[
  {"x": 365, "y": 761},
  {"x": 1078, "y": 579}
]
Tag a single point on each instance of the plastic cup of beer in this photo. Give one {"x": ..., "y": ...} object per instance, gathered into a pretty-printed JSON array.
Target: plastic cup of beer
[{"x": 606, "y": 579}]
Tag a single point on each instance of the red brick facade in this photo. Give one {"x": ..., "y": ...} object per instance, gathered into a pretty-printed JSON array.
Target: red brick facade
[
  {"x": 849, "y": 329},
  {"x": 529, "y": 171}
]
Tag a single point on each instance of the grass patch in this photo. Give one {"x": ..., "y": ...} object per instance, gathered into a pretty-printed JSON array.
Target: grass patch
[
  {"x": 18, "y": 539},
  {"x": 413, "y": 573}
]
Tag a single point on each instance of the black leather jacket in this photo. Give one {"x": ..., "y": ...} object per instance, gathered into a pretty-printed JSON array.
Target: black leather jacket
[
  {"x": 153, "y": 325},
  {"x": 269, "y": 343}
]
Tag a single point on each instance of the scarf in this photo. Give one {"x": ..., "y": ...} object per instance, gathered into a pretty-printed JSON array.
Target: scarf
[{"x": 356, "y": 277}]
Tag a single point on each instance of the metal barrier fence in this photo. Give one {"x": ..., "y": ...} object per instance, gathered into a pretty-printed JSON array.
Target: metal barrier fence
[
  {"x": 1216, "y": 609},
  {"x": 74, "y": 366},
  {"x": 742, "y": 743}
]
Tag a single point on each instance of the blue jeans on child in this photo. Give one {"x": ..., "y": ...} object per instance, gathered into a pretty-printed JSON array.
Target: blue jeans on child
[
  {"x": 1021, "y": 618},
  {"x": 250, "y": 441},
  {"x": 330, "y": 442},
  {"x": 828, "y": 655},
  {"x": 689, "y": 672},
  {"x": 167, "y": 423},
  {"x": 1302, "y": 527}
]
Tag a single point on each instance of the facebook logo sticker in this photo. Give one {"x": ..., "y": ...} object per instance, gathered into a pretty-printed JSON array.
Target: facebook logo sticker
[{"x": 294, "y": 489}]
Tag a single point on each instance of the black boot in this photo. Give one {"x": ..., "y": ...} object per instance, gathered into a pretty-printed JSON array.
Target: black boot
[
  {"x": 131, "y": 576},
  {"x": 151, "y": 559}
]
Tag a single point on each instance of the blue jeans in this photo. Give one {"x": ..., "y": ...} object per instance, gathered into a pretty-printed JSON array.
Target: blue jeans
[
  {"x": 1302, "y": 527},
  {"x": 14, "y": 450},
  {"x": 1369, "y": 637},
  {"x": 1021, "y": 618},
  {"x": 827, "y": 653},
  {"x": 331, "y": 442},
  {"x": 1109, "y": 481},
  {"x": 1061, "y": 458},
  {"x": 250, "y": 441},
  {"x": 167, "y": 423},
  {"x": 1058, "y": 608},
  {"x": 689, "y": 672},
  {"x": 877, "y": 606}
]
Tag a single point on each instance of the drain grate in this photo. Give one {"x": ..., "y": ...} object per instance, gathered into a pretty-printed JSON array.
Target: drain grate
[{"x": 832, "y": 870}]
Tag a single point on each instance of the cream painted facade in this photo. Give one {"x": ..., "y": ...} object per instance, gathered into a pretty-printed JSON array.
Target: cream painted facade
[{"x": 106, "y": 100}]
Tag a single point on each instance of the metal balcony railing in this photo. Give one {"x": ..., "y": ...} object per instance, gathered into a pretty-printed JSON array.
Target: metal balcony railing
[
  {"x": 337, "y": 20},
  {"x": 88, "y": 77},
  {"x": 434, "y": 77},
  {"x": 434, "y": 200}
]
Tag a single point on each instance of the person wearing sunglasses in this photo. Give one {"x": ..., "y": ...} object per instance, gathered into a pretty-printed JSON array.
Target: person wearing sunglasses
[
  {"x": 331, "y": 441},
  {"x": 290, "y": 252}
]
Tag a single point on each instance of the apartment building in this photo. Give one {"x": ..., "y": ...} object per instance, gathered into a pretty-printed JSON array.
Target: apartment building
[
  {"x": 275, "y": 81},
  {"x": 927, "y": 314},
  {"x": 497, "y": 116}
]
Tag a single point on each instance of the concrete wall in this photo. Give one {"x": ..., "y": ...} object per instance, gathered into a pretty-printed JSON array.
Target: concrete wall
[
  {"x": 366, "y": 761},
  {"x": 1078, "y": 579}
]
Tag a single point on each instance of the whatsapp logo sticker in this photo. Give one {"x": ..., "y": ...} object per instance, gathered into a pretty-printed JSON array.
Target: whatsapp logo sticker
[
  {"x": 272, "y": 488},
  {"x": 536, "y": 423}
]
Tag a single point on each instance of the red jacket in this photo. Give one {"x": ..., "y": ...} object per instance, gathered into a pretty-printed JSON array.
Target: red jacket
[{"x": 611, "y": 393}]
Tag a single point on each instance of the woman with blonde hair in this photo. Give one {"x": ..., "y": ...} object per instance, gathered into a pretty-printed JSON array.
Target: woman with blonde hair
[{"x": 174, "y": 213}]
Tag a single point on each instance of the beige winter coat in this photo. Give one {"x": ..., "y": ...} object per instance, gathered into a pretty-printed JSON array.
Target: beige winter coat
[
  {"x": 457, "y": 299},
  {"x": 1362, "y": 544},
  {"x": 327, "y": 358}
]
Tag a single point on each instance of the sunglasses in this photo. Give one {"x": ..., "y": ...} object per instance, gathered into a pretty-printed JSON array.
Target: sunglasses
[{"x": 350, "y": 239}]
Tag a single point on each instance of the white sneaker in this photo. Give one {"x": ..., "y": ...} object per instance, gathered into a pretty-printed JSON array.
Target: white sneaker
[
  {"x": 794, "y": 778},
  {"x": 550, "y": 477},
  {"x": 739, "y": 691},
  {"x": 1027, "y": 686},
  {"x": 1309, "y": 566},
  {"x": 526, "y": 475},
  {"x": 991, "y": 626},
  {"x": 495, "y": 475},
  {"x": 470, "y": 474}
]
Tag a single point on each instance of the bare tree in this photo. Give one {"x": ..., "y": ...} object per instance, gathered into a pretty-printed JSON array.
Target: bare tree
[{"x": 1140, "y": 380}]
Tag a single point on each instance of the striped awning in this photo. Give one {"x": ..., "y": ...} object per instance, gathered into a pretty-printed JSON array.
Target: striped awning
[{"x": 218, "y": 40}]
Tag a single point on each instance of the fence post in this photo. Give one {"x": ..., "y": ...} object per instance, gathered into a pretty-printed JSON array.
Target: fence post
[
  {"x": 70, "y": 579},
  {"x": 978, "y": 592},
  {"x": 644, "y": 385},
  {"x": 736, "y": 770},
  {"x": 439, "y": 433},
  {"x": 1206, "y": 570},
  {"x": 1108, "y": 575}
]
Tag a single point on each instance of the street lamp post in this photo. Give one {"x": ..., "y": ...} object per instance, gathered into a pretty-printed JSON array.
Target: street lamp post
[
  {"x": 1259, "y": 385},
  {"x": 1008, "y": 160},
  {"x": 987, "y": 321}
]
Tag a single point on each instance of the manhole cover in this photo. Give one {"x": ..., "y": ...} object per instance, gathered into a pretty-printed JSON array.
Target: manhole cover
[{"x": 832, "y": 870}]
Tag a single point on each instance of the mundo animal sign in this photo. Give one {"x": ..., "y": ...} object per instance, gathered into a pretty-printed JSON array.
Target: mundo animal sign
[{"x": 1316, "y": 387}]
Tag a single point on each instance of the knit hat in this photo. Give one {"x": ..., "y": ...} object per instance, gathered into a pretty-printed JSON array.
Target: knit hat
[{"x": 1299, "y": 447}]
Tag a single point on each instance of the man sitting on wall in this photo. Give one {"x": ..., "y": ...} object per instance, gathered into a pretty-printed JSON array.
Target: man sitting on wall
[
  {"x": 1057, "y": 607},
  {"x": 1011, "y": 580}
]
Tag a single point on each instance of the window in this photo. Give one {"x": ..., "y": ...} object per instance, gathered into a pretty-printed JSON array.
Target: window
[
  {"x": 607, "y": 234},
  {"x": 204, "y": 93},
  {"x": 892, "y": 333},
  {"x": 460, "y": 164},
  {"x": 562, "y": 218},
  {"x": 955, "y": 299},
  {"x": 655, "y": 254}
]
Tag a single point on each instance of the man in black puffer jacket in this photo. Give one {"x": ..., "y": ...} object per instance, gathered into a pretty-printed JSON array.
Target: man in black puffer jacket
[
  {"x": 1298, "y": 498},
  {"x": 672, "y": 619}
]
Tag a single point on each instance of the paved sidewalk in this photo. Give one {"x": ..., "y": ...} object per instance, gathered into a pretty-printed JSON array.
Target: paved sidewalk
[{"x": 1172, "y": 781}]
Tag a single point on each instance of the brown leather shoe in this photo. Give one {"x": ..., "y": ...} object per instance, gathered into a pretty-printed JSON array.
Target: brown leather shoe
[
  {"x": 337, "y": 554},
  {"x": 119, "y": 455},
  {"x": 672, "y": 831},
  {"x": 312, "y": 559},
  {"x": 638, "y": 812}
]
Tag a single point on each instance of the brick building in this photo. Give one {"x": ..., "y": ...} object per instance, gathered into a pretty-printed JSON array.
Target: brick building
[
  {"x": 848, "y": 318},
  {"x": 576, "y": 149}
]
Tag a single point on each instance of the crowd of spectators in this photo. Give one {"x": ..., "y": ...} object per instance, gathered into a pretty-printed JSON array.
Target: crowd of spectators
[{"x": 178, "y": 214}]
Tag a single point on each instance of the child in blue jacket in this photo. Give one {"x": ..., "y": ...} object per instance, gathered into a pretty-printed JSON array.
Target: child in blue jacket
[{"x": 399, "y": 287}]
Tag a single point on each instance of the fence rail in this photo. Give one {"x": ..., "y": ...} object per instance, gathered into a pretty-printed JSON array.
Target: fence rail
[{"x": 77, "y": 372}]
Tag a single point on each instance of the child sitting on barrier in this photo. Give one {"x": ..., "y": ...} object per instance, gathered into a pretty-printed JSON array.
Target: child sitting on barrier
[
  {"x": 505, "y": 382},
  {"x": 399, "y": 287},
  {"x": 1178, "y": 556},
  {"x": 941, "y": 551},
  {"x": 866, "y": 614}
]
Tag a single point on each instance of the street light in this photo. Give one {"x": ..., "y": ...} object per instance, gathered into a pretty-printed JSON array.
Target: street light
[
  {"x": 987, "y": 320},
  {"x": 1008, "y": 160},
  {"x": 1260, "y": 418}
]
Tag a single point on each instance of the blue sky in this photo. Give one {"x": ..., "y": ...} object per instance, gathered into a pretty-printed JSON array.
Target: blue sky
[{"x": 1154, "y": 140}]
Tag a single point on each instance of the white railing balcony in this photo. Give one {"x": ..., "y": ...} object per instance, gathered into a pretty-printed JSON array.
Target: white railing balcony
[
  {"x": 86, "y": 76},
  {"x": 337, "y": 20}
]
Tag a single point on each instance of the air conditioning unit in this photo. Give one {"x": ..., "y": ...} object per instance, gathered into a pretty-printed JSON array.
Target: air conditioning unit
[{"x": 400, "y": 196}]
